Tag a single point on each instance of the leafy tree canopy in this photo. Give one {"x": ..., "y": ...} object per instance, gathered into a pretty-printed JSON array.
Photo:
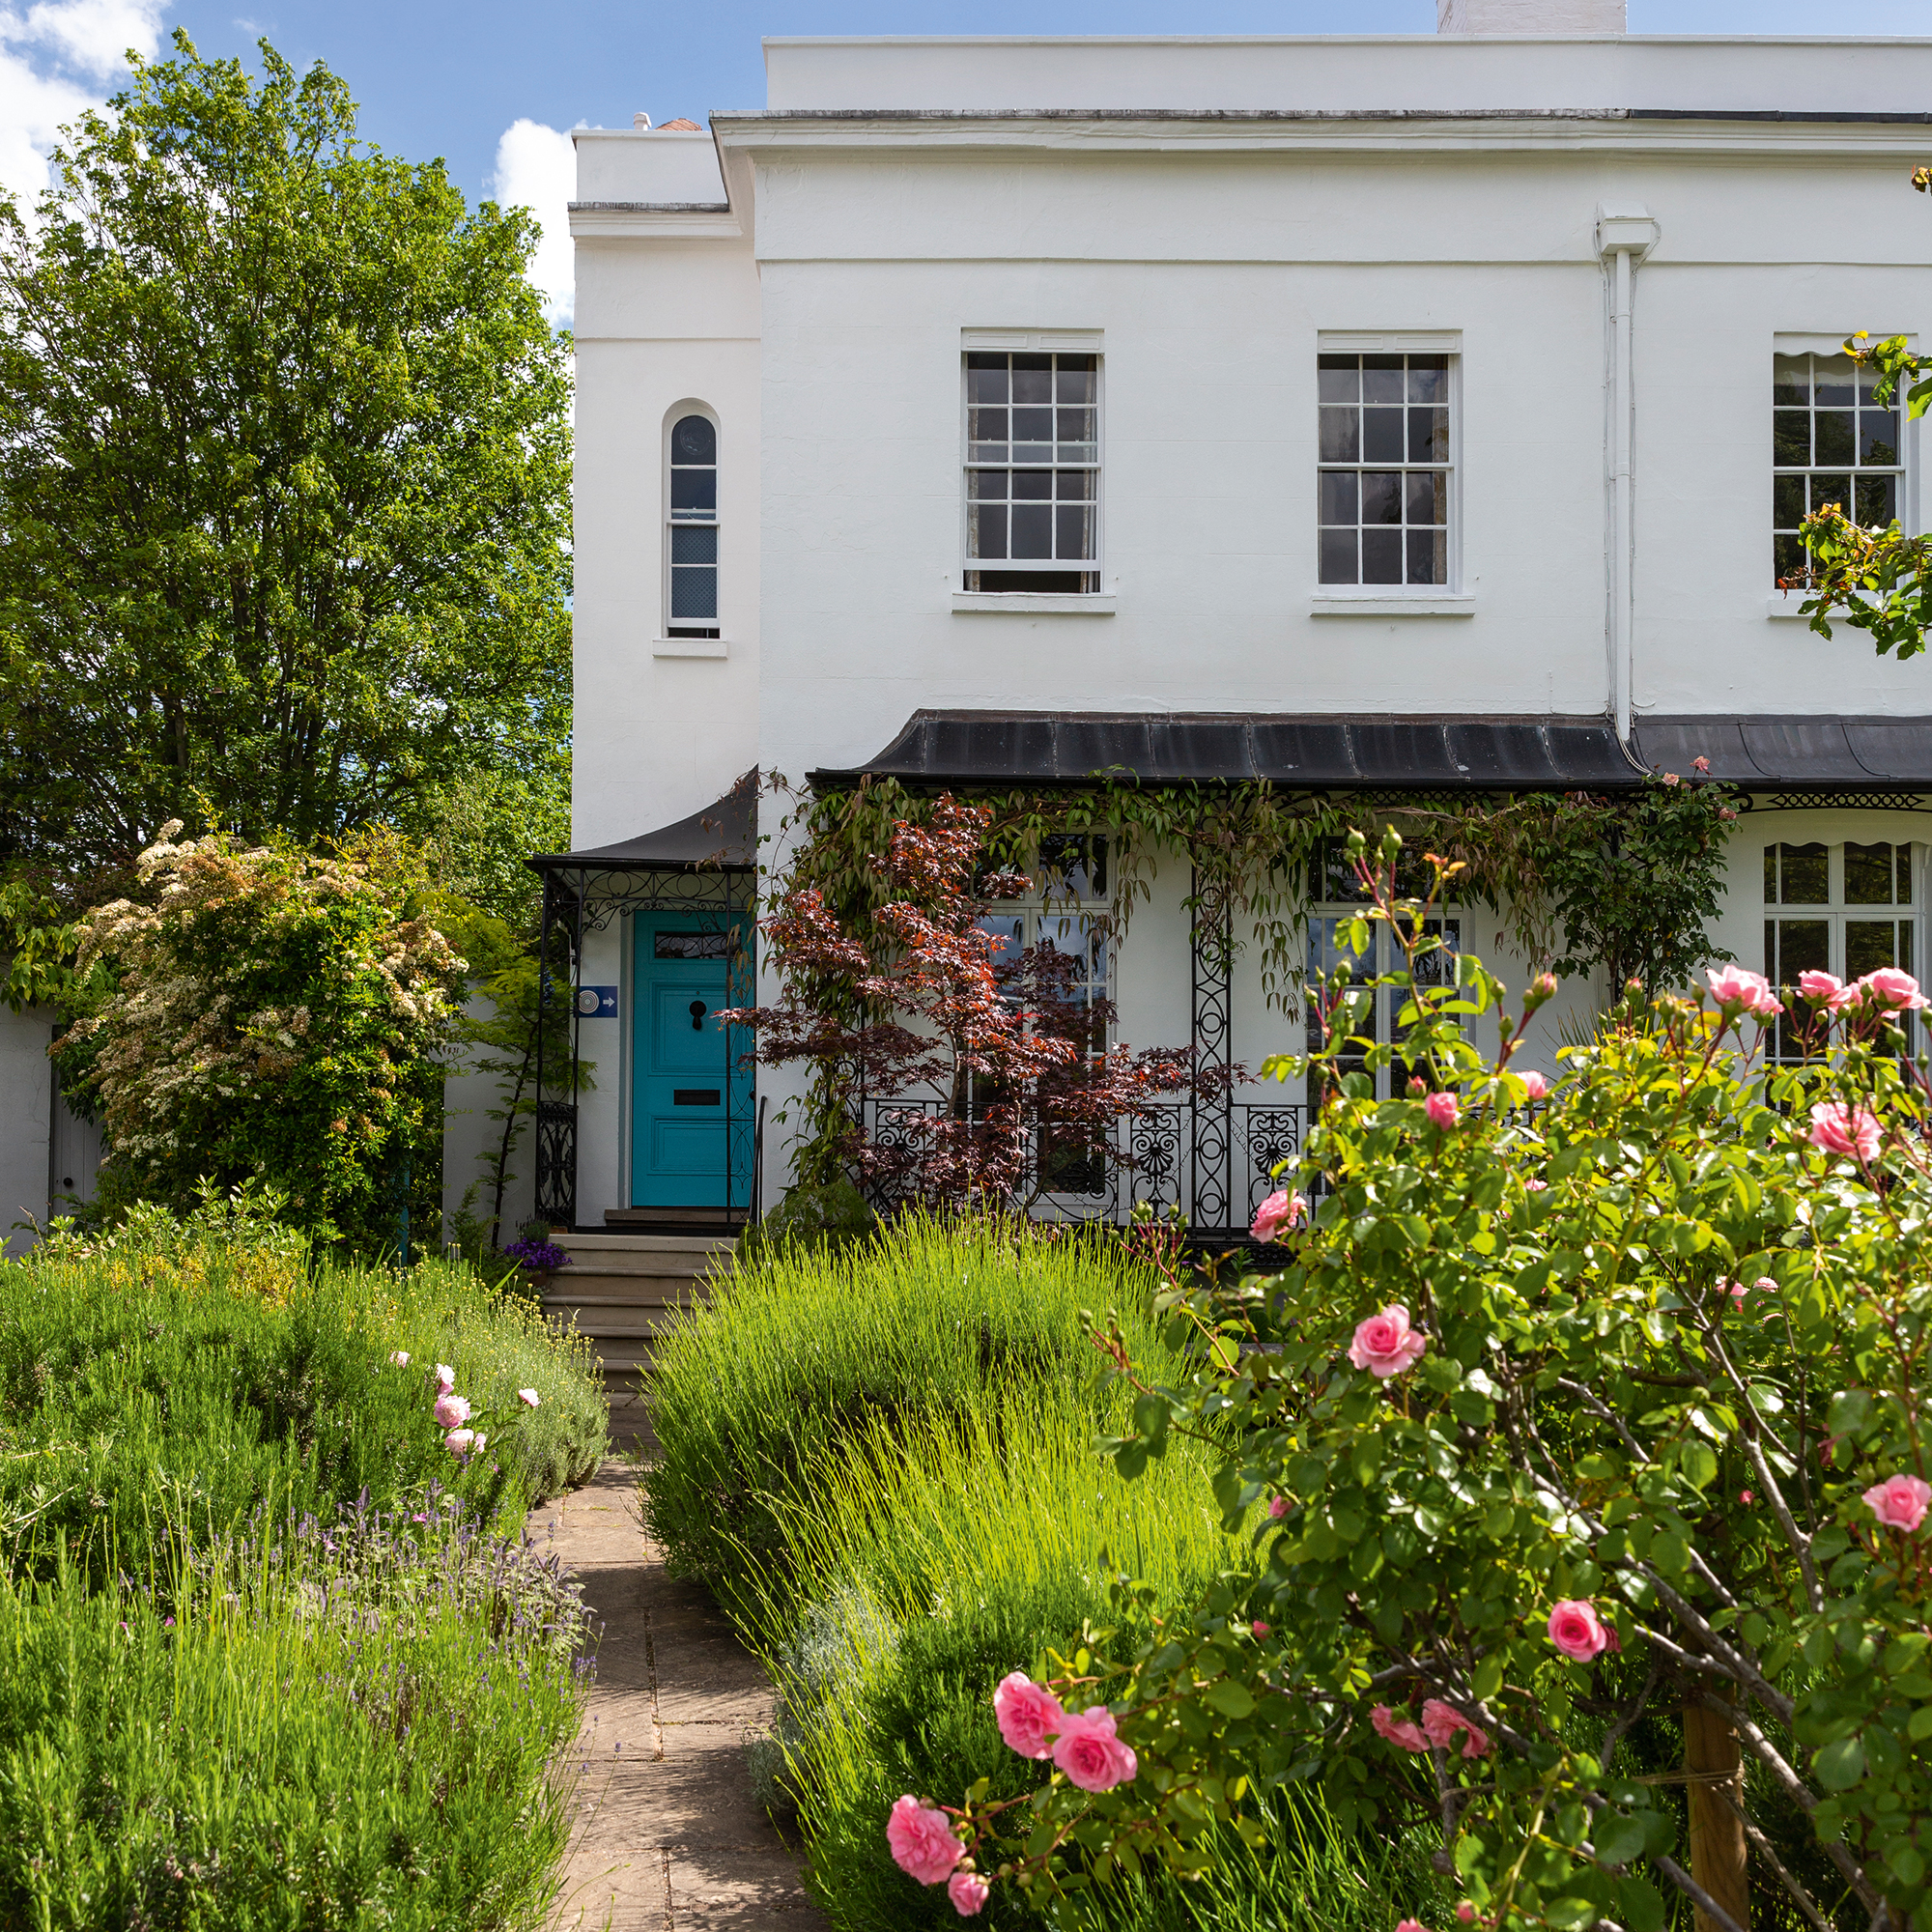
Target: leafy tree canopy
[{"x": 284, "y": 474}]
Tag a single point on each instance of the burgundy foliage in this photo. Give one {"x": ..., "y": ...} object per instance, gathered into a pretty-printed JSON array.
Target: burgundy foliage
[{"x": 919, "y": 1001}]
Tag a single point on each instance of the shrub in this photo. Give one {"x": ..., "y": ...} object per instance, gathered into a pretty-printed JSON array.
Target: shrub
[
  {"x": 353, "y": 1725},
  {"x": 273, "y": 1016},
  {"x": 1586, "y": 1410},
  {"x": 883, "y": 1457},
  {"x": 177, "y": 1372},
  {"x": 759, "y": 1393}
]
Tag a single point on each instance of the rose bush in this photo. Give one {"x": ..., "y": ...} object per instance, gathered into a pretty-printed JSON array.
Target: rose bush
[{"x": 1526, "y": 1476}]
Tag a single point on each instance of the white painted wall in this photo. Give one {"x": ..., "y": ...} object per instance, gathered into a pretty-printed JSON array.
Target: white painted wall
[
  {"x": 1340, "y": 73},
  {"x": 26, "y": 1080}
]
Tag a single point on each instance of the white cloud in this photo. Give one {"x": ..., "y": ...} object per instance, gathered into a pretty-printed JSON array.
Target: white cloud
[
  {"x": 57, "y": 59},
  {"x": 536, "y": 168}
]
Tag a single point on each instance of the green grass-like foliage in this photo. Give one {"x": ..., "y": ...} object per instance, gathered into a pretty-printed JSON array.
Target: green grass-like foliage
[
  {"x": 343, "y": 1727},
  {"x": 272, "y": 1655},
  {"x": 811, "y": 1351},
  {"x": 883, "y": 1460},
  {"x": 187, "y": 1378}
]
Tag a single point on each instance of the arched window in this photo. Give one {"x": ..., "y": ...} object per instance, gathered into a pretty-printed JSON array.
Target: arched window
[{"x": 692, "y": 603}]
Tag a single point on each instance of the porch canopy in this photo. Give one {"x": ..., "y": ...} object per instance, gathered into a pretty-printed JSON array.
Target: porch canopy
[
  {"x": 722, "y": 838},
  {"x": 1304, "y": 752},
  {"x": 1798, "y": 758},
  {"x": 1835, "y": 759}
]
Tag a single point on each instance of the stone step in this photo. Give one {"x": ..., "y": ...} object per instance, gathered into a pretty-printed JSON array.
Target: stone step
[{"x": 616, "y": 1243}]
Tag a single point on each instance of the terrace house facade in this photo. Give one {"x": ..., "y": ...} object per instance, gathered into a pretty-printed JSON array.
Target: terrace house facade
[{"x": 1390, "y": 417}]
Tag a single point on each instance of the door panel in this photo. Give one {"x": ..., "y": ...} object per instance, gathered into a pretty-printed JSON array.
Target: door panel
[{"x": 682, "y": 1095}]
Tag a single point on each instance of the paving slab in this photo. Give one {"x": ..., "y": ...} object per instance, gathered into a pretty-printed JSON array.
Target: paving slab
[{"x": 666, "y": 1834}]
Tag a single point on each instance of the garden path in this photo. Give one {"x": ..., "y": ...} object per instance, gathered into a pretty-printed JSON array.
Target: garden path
[{"x": 666, "y": 1837}]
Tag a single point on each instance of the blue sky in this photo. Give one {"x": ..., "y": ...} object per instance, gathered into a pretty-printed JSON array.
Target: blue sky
[{"x": 435, "y": 77}]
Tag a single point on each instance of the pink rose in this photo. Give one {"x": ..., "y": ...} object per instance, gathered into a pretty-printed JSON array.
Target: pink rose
[
  {"x": 529, "y": 1398},
  {"x": 1028, "y": 1715},
  {"x": 1899, "y": 1502},
  {"x": 400, "y": 1358},
  {"x": 445, "y": 1376},
  {"x": 1442, "y": 1723},
  {"x": 1725, "y": 811},
  {"x": 1700, "y": 764},
  {"x": 1259, "y": 1629},
  {"x": 1534, "y": 1086},
  {"x": 1738, "y": 987},
  {"x": 451, "y": 1410},
  {"x": 1839, "y": 1128},
  {"x": 1397, "y": 1730},
  {"x": 1277, "y": 1507},
  {"x": 1281, "y": 1210},
  {"x": 1466, "y": 1913},
  {"x": 460, "y": 1442},
  {"x": 1671, "y": 779},
  {"x": 1088, "y": 1753},
  {"x": 1894, "y": 990},
  {"x": 968, "y": 1893},
  {"x": 1444, "y": 1110},
  {"x": 1822, "y": 989},
  {"x": 1577, "y": 1629},
  {"x": 1535, "y": 1186},
  {"x": 1416, "y": 1924},
  {"x": 1385, "y": 1345},
  {"x": 921, "y": 1841}
]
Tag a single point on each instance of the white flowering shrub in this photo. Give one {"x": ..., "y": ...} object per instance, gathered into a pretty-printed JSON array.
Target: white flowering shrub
[{"x": 272, "y": 1015}]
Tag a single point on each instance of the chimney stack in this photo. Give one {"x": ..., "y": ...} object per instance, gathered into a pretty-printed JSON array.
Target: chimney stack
[{"x": 1533, "y": 19}]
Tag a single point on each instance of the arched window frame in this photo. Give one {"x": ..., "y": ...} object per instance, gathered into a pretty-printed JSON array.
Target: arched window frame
[{"x": 683, "y": 561}]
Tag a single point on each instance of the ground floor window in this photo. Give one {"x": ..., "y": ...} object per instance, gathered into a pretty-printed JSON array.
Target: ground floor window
[{"x": 1845, "y": 909}]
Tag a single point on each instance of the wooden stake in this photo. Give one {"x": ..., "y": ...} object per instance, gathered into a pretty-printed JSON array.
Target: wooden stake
[{"x": 1720, "y": 1858}]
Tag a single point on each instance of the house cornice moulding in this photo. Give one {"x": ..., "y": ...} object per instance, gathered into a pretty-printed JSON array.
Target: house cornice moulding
[
  {"x": 698, "y": 220},
  {"x": 1261, "y": 130}
]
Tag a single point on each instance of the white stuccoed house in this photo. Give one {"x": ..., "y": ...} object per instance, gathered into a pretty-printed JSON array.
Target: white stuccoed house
[{"x": 1384, "y": 417}]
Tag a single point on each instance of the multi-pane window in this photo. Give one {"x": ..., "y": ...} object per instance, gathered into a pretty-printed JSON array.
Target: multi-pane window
[
  {"x": 1033, "y": 472},
  {"x": 692, "y": 529},
  {"x": 1840, "y": 909},
  {"x": 1072, "y": 869},
  {"x": 1386, "y": 465},
  {"x": 1375, "y": 1015},
  {"x": 1831, "y": 444}
]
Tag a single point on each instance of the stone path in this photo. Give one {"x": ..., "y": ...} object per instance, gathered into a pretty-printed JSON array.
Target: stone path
[{"x": 666, "y": 1837}]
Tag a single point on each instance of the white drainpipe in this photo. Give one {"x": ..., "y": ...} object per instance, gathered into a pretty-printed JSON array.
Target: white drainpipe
[{"x": 1625, "y": 236}]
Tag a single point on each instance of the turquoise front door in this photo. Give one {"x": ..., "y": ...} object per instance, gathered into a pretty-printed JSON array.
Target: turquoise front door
[{"x": 687, "y": 1097}]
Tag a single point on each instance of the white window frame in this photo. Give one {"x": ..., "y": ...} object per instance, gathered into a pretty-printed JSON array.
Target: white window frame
[
  {"x": 1064, "y": 910},
  {"x": 1911, "y": 516},
  {"x": 1836, "y": 912},
  {"x": 692, "y": 630},
  {"x": 1038, "y": 342},
  {"x": 1384, "y": 956},
  {"x": 1449, "y": 597}
]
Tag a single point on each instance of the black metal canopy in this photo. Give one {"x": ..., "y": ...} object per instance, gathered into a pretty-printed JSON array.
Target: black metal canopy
[
  {"x": 722, "y": 838},
  {"x": 1306, "y": 751},
  {"x": 1814, "y": 753}
]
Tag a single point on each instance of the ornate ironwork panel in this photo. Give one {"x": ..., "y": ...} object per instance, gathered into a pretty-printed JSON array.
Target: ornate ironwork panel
[
  {"x": 557, "y": 1163},
  {"x": 1271, "y": 1135},
  {"x": 1212, "y": 933}
]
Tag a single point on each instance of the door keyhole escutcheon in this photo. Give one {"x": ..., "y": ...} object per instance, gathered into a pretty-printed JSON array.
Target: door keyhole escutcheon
[{"x": 697, "y": 1010}]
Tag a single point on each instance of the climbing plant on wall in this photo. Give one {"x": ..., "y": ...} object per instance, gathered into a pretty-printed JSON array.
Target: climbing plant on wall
[{"x": 1584, "y": 882}]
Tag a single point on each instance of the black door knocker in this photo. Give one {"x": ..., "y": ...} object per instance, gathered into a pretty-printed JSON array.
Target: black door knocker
[{"x": 697, "y": 1015}]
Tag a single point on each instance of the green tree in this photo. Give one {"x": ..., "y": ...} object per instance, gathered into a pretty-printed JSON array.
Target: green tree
[{"x": 284, "y": 474}]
